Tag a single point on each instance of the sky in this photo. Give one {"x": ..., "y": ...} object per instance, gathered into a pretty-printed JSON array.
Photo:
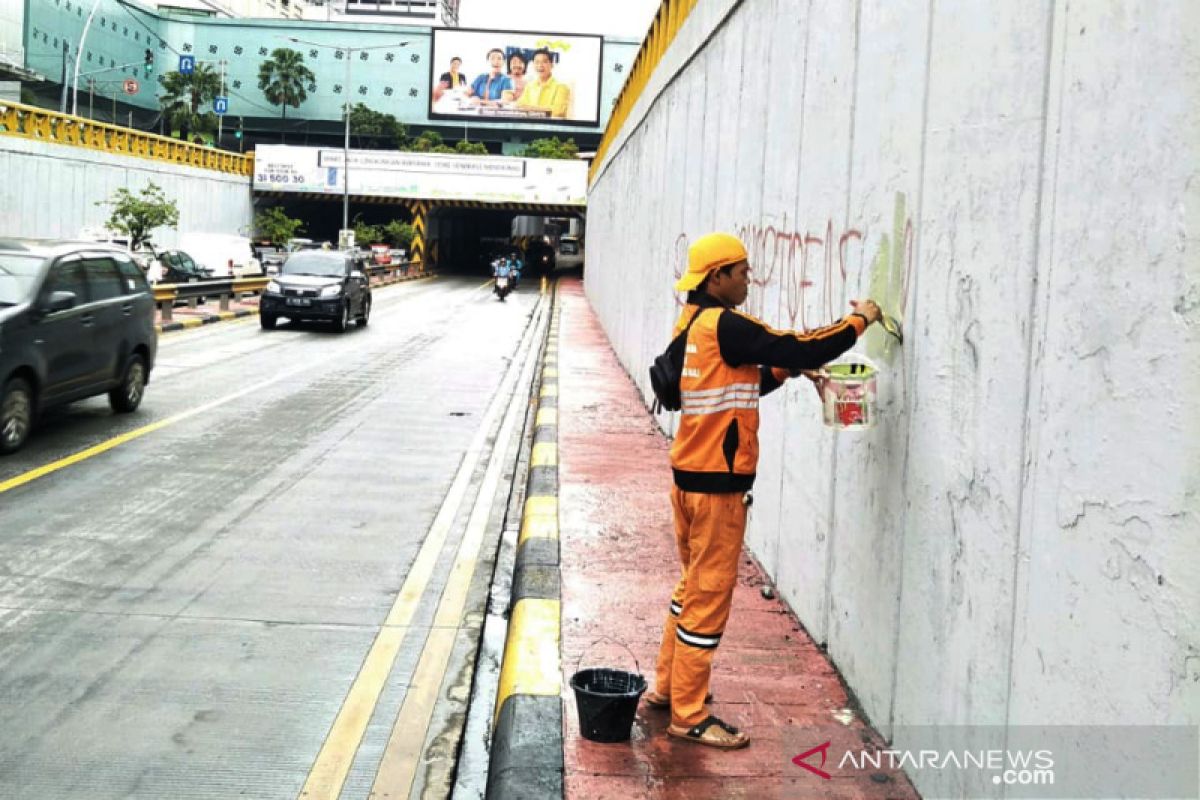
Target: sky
[{"x": 628, "y": 19}]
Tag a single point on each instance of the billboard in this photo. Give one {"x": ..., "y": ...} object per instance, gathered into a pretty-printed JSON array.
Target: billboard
[
  {"x": 385, "y": 173},
  {"x": 506, "y": 76}
]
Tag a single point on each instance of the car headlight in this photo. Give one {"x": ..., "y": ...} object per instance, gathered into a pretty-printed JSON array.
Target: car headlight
[
  {"x": 273, "y": 287},
  {"x": 332, "y": 291}
]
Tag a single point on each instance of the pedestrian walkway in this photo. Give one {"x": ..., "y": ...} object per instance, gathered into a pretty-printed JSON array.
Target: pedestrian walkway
[{"x": 618, "y": 568}]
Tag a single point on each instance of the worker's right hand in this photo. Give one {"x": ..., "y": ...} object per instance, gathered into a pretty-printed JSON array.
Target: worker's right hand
[{"x": 868, "y": 308}]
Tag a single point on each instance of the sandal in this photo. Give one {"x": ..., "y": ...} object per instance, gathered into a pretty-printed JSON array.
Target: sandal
[
  {"x": 702, "y": 733},
  {"x": 656, "y": 700}
]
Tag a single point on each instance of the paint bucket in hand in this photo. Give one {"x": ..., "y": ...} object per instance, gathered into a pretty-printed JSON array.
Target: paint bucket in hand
[
  {"x": 607, "y": 700},
  {"x": 848, "y": 393}
]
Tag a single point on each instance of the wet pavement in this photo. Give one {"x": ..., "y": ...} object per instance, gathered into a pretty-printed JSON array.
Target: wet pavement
[{"x": 618, "y": 567}]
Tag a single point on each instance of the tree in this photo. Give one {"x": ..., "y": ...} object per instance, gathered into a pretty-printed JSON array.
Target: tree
[
  {"x": 137, "y": 215},
  {"x": 399, "y": 234},
  {"x": 470, "y": 148},
  {"x": 183, "y": 97},
  {"x": 379, "y": 130},
  {"x": 366, "y": 234},
  {"x": 552, "y": 147},
  {"x": 427, "y": 142},
  {"x": 276, "y": 226},
  {"x": 285, "y": 81}
]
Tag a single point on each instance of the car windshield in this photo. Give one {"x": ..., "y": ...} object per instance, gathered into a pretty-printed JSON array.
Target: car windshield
[
  {"x": 322, "y": 264},
  {"x": 17, "y": 274}
]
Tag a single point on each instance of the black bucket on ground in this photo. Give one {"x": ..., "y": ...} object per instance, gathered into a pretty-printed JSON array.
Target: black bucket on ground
[{"x": 607, "y": 700}]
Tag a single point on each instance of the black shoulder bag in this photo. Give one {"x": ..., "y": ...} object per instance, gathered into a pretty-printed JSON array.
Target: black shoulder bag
[{"x": 667, "y": 369}]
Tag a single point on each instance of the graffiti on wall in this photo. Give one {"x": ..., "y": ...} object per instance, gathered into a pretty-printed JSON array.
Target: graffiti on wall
[{"x": 816, "y": 269}]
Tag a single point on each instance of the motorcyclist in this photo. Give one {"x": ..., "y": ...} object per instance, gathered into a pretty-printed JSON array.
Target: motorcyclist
[
  {"x": 501, "y": 269},
  {"x": 514, "y": 266}
]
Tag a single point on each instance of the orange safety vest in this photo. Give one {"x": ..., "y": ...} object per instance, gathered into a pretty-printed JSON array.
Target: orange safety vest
[
  {"x": 716, "y": 446},
  {"x": 717, "y": 440}
]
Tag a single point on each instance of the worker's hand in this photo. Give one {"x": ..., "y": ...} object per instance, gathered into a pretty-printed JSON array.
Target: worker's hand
[{"x": 868, "y": 309}]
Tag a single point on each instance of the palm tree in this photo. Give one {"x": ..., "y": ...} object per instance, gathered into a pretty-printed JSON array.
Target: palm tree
[
  {"x": 285, "y": 81},
  {"x": 184, "y": 95}
]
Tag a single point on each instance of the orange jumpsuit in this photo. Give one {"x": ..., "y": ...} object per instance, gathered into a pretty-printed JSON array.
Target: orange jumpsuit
[{"x": 714, "y": 458}]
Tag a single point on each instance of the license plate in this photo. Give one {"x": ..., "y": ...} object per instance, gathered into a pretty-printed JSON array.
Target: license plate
[{"x": 299, "y": 301}]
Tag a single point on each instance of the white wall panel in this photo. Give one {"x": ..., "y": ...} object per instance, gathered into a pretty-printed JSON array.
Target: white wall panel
[
  {"x": 53, "y": 190},
  {"x": 1018, "y": 541}
]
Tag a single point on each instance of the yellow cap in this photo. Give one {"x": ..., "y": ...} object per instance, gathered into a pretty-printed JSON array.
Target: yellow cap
[{"x": 711, "y": 251}]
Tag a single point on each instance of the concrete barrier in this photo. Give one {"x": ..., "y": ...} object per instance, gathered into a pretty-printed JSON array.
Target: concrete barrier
[{"x": 527, "y": 758}]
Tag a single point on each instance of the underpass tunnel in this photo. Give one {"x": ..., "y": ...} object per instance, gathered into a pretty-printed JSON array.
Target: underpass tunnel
[
  {"x": 452, "y": 236},
  {"x": 464, "y": 236}
]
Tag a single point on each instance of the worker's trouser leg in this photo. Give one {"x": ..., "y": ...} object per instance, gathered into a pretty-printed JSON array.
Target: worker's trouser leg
[{"x": 709, "y": 529}]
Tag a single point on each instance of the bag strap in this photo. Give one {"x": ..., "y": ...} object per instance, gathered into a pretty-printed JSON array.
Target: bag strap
[{"x": 691, "y": 322}]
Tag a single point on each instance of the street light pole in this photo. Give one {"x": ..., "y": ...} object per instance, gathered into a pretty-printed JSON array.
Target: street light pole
[
  {"x": 221, "y": 117},
  {"x": 349, "y": 51},
  {"x": 346, "y": 149},
  {"x": 79, "y": 57}
]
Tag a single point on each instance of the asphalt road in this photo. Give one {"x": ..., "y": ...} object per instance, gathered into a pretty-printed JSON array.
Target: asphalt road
[{"x": 269, "y": 587}]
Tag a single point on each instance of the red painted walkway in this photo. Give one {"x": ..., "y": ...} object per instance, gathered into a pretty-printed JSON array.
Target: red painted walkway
[{"x": 618, "y": 567}]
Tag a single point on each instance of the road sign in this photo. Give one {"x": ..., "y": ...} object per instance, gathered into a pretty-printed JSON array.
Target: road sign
[
  {"x": 187, "y": 65},
  {"x": 221, "y": 105},
  {"x": 130, "y": 86}
]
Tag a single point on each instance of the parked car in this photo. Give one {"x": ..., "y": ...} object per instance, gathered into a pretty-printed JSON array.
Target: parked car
[
  {"x": 381, "y": 254},
  {"x": 176, "y": 266},
  {"x": 325, "y": 285},
  {"x": 226, "y": 254},
  {"x": 569, "y": 245},
  {"x": 76, "y": 320}
]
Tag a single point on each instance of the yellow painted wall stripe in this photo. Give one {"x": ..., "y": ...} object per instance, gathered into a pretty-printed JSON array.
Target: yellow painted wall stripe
[
  {"x": 531, "y": 661},
  {"x": 545, "y": 454}
]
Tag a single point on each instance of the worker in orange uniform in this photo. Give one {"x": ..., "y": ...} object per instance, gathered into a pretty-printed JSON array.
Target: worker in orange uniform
[{"x": 731, "y": 359}]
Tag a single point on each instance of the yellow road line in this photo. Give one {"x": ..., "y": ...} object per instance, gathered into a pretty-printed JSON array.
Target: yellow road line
[
  {"x": 332, "y": 765},
  {"x": 402, "y": 755},
  {"x": 333, "y": 762},
  {"x": 117, "y": 441}
]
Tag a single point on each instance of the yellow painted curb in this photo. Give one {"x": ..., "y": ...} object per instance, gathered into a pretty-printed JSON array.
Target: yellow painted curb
[
  {"x": 545, "y": 454},
  {"x": 531, "y": 664},
  {"x": 546, "y": 416}
]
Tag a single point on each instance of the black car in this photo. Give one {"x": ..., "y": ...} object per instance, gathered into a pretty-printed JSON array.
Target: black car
[
  {"x": 179, "y": 267},
  {"x": 76, "y": 320},
  {"x": 318, "y": 285}
]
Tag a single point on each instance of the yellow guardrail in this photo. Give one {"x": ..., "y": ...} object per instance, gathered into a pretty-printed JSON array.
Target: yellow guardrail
[
  {"x": 667, "y": 22},
  {"x": 30, "y": 122}
]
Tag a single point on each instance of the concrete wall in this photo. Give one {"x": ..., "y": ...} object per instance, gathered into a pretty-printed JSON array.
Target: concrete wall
[
  {"x": 52, "y": 191},
  {"x": 1018, "y": 541}
]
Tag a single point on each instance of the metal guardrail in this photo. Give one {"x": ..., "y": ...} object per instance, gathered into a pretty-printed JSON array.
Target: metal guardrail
[
  {"x": 166, "y": 295},
  {"x": 30, "y": 122}
]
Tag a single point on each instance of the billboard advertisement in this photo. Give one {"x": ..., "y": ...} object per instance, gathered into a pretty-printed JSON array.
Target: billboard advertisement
[
  {"x": 505, "y": 76},
  {"x": 383, "y": 173}
]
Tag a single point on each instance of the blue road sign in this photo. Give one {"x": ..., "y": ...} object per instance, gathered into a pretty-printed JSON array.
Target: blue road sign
[
  {"x": 187, "y": 65},
  {"x": 221, "y": 104}
]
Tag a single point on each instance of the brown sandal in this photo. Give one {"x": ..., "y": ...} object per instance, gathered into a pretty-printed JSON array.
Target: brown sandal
[
  {"x": 661, "y": 701},
  {"x": 703, "y": 733}
]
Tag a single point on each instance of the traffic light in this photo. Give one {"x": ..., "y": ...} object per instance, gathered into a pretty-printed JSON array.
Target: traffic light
[
  {"x": 148, "y": 62},
  {"x": 238, "y": 133}
]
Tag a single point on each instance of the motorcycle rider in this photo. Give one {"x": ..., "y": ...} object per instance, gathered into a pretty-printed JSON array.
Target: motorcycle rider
[{"x": 501, "y": 269}]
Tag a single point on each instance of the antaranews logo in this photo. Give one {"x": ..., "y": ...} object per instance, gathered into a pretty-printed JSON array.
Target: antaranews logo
[{"x": 823, "y": 749}]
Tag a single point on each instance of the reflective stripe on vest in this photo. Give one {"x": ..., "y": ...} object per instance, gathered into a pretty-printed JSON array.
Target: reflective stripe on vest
[{"x": 710, "y": 401}]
